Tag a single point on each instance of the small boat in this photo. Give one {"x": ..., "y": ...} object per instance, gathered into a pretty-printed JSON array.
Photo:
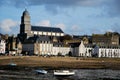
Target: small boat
[
  {"x": 12, "y": 64},
  {"x": 41, "y": 71},
  {"x": 63, "y": 73}
]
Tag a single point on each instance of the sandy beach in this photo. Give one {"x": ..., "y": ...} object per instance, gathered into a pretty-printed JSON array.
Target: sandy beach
[{"x": 61, "y": 62}]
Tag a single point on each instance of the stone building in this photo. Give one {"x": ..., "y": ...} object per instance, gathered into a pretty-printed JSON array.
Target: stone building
[
  {"x": 14, "y": 45},
  {"x": 105, "y": 39},
  {"x": 38, "y": 45}
]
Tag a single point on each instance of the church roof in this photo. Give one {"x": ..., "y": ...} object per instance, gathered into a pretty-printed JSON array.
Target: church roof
[{"x": 46, "y": 29}]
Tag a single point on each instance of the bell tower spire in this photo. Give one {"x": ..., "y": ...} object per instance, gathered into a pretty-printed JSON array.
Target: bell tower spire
[{"x": 25, "y": 26}]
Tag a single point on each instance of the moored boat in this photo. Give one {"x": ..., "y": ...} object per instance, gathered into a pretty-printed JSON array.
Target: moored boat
[
  {"x": 41, "y": 71},
  {"x": 63, "y": 73},
  {"x": 12, "y": 64}
]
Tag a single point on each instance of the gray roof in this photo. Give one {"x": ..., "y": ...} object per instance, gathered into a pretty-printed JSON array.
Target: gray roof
[
  {"x": 46, "y": 29},
  {"x": 37, "y": 38},
  {"x": 43, "y": 38},
  {"x": 58, "y": 44}
]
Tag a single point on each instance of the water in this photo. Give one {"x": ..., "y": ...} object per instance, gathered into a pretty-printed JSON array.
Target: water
[
  {"x": 97, "y": 74},
  {"x": 81, "y": 74}
]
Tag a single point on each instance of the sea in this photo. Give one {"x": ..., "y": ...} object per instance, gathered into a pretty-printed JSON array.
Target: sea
[{"x": 80, "y": 74}]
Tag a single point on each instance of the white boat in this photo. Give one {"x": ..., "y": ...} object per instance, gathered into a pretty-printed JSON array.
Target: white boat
[
  {"x": 41, "y": 71},
  {"x": 63, "y": 73},
  {"x": 12, "y": 64}
]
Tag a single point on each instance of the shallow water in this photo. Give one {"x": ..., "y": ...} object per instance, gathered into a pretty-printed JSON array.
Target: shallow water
[
  {"x": 97, "y": 74},
  {"x": 81, "y": 74}
]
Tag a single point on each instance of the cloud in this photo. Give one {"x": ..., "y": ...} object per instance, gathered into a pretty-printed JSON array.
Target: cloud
[
  {"x": 75, "y": 29},
  {"x": 20, "y": 3},
  {"x": 55, "y": 5},
  {"x": 111, "y": 7},
  {"x": 7, "y": 25},
  {"x": 47, "y": 23},
  {"x": 43, "y": 23},
  {"x": 61, "y": 25}
]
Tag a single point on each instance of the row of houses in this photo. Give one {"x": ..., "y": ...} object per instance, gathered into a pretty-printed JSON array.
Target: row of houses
[
  {"x": 90, "y": 50},
  {"x": 42, "y": 45}
]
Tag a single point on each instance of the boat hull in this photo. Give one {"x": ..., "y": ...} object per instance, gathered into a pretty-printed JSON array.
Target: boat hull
[
  {"x": 64, "y": 73},
  {"x": 41, "y": 71}
]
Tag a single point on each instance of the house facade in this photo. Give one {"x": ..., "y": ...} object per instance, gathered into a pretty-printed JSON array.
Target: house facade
[
  {"x": 59, "y": 48},
  {"x": 2, "y": 46},
  {"x": 81, "y": 50},
  {"x": 110, "y": 51},
  {"x": 38, "y": 45}
]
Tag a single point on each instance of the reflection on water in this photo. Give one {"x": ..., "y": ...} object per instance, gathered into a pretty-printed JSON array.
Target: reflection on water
[{"x": 81, "y": 74}]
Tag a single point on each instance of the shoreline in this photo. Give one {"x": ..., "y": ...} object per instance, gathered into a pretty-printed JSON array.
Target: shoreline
[{"x": 24, "y": 62}]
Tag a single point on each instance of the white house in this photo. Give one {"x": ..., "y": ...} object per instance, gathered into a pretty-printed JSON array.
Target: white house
[
  {"x": 2, "y": 47},
  {"x": 110, "y": 51},
  {"x": 59, "y": 48},
  {"x": 81, "y": 50}
]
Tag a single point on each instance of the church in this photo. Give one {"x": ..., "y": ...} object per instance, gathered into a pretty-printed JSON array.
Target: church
[
  {"x": 40, "y": 40},
  {"x": 27, "y": 30}
]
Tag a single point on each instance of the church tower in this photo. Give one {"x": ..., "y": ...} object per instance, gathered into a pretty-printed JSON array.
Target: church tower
[{"x": 25, "y": 26}]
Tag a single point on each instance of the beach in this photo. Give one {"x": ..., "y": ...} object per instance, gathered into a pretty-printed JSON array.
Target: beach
[{"x": 61, "y": 62}]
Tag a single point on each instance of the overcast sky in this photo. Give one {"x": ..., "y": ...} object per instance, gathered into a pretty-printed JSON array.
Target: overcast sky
[{"x": 80, "y": 17}]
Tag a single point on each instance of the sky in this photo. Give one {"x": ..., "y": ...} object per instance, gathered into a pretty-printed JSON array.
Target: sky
[{"x": 74, "y": 17}]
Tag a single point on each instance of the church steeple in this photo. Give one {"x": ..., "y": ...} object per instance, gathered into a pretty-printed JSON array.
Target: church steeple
[
  {"x": 25, "y": 12},
  {"x": 25, "y": 19},
  {"x": 25, "y": 26}
]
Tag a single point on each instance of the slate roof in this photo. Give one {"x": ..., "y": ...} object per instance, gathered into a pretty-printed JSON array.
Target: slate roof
[
  {"x": 46, "y": 29},
  {"x": 43, "y": 38},
  {"x": 37, "y": 38},
  {"x": 57, "y": 44}
]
